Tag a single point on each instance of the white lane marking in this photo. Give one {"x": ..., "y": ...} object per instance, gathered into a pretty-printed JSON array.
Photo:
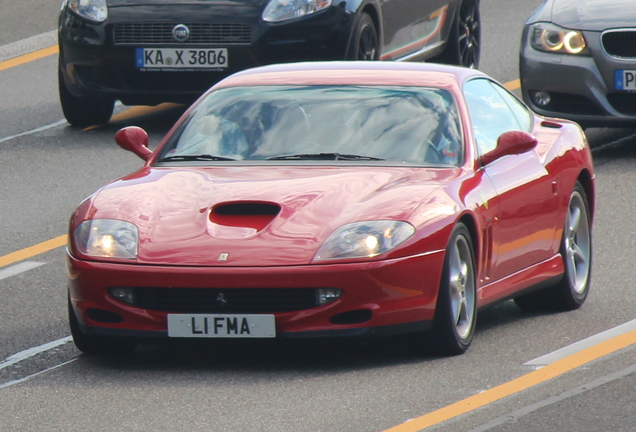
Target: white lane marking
[
  {"x": 23, "y": 355},
  {"x": 582, "y": 344},
  {"x": 32, "y": 131},
  {"x": 514, "y": 416},
  {"x": 18, "y": 381},
  {"x": 28, "y": 45},
  {"x": 19, "y": 268}
]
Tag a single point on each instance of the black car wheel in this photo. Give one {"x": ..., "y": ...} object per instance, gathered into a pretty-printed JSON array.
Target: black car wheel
[
  {"x": 98, "y": 345},
  {"x": 84, "y": 111},
  {"x": 576, "y": 249},
  {"x": 463, "y": 47},
  {"x": 365, "y": 42}
]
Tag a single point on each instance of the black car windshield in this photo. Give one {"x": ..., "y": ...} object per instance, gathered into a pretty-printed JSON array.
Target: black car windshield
[{"x": 300, "y": 123}]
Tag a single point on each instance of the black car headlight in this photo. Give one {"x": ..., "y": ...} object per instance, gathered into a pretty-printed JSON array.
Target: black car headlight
[
  {"x": 283, "y": 10},
  {"x": 364, "y": 239},
  {"x": 107, "y": 238},
  {"x": 555, "y": 39},
  {"x": 92, "y": 10}
]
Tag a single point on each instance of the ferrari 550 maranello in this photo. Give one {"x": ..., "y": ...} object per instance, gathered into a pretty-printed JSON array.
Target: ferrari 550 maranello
[{"x": 336, "y": 199}]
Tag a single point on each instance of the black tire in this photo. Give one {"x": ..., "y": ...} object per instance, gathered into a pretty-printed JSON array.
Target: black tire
[
  {"x": 365, "y": 45},
  {"x": 456, "y": 310},
  {"x": 576, "y": 249},
  {"x": 84, "y": 111},
  {"x": 96, "y": 345},
  {"x": 463, "y": 46}
]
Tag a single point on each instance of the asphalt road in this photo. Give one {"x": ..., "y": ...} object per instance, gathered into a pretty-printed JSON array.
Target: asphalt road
[{"x": 47, "y": 168}]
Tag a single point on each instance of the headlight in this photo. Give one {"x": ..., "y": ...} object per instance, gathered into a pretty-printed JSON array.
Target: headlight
[
  {"x": 107, "y": 238},
  {"x": 364, "y": 240},
  {"x": 281, "y": 10},
  {"x": 94, "y": 10},
  {"x": 550, "y": 38}
]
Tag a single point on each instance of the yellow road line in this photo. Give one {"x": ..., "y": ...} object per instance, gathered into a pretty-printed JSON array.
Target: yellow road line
[
  {"x": 26, "y": 58},
  {"x": 32, "y": 251},
  {"x": 524, "y": 382},
  {"x": 513, "y": 85}
]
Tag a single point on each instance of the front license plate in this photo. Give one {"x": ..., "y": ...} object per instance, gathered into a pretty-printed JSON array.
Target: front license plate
[
  {"x": 221, "y": 326},
  {"x": 171, "y": 58},
  {"x": 625, "y": 79}
]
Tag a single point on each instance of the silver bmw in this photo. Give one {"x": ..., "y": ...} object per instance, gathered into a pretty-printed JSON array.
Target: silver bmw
[{"x": 578, "y": 61}]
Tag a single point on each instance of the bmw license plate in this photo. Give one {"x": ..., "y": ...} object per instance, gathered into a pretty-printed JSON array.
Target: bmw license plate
[
  {"x": 625, "y": 79},
  {"x": 221, "y": 326},
  {"x": 185, "y": 58}
]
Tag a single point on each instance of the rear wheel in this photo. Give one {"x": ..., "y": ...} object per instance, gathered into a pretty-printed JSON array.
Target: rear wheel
[
  {"x": 576, "y": 249},
  {"x": 84, "y": 111},
  {"x": 463, "y": 46},
  {"x": 365, "y": 45},
  {"x": 99, "y": 345}
]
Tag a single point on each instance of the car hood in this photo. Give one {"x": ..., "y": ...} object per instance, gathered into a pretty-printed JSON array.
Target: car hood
[
  {"x": 258, "y": 216},
  {"x": 594, "y": 15}
]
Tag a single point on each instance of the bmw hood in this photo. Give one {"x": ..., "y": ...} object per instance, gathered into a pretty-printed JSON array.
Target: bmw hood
[
  {"x": 594, "y": 15},
  {"x": 215, "y": 3},
  {"x": 256, "y": 216}
]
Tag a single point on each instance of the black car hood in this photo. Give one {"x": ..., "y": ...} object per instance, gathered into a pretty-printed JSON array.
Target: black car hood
[
  {"x": 121, "y": 3},
  {"x": 593, "y": 15}
]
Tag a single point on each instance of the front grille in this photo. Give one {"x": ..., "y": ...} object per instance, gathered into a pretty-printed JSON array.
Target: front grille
[
  {"x": 200, "y": 34},
  {"x": 620, "y": 43},
  {"x": 231, "y": 300}
]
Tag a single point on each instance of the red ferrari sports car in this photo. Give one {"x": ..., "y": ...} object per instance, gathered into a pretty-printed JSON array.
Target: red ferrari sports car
[{"x": 335, "y": 199}]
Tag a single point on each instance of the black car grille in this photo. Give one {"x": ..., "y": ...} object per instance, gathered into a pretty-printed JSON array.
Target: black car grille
[
  {"x": 625, "y": 103},
  {"x": 620, "y": 43},
  {"x": 200, "y": 34},
  {"x": 234, "y": 300}
]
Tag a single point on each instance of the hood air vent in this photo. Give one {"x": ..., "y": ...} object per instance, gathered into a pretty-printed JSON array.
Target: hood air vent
[{"x": 256, "y": 215}]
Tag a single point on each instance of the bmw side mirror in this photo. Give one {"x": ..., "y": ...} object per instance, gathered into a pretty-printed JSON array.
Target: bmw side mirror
[
  {"x": 134, "y": 139},
  {"x": 510, "y": 143}
]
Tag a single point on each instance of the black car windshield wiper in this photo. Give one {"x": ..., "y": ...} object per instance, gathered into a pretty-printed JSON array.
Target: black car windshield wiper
[
  {"x": 324, "y": 156},
  {"x": 200, "y": 157}
]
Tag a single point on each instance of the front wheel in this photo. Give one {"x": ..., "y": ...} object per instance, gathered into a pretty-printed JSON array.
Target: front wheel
[
  {"x": 456, "y": 309},
  {"x": 84, "y": 111},
  {"x": 576, "y": 250},
  {"x": 365, "y": 45},
  {"x": 463, "y": 46}
]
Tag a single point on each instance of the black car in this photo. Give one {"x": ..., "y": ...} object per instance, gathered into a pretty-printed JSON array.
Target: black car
[{"x": 145, "y": 52}]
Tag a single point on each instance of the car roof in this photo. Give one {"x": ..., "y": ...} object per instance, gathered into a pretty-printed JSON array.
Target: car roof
[{"x": 352, "y": 73}]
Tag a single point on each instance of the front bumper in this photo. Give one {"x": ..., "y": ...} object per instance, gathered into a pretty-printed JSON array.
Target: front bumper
[
  {"x": 581, "y": 88},
  {"x": 95, "y": 61},
  {"x": 378, "y": 298}
]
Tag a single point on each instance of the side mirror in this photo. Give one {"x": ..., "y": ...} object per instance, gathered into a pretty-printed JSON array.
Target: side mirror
[
  {"x": 134, "y": 139},
  {"x": 510, "y": 143}
]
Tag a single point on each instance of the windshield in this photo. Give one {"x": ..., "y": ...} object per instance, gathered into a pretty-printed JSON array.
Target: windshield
[{"x": 350, "y": 123}]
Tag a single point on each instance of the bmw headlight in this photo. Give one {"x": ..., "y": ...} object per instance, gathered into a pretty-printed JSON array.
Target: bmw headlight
[
  {"x": 282, "y": 10},
  {"x": 107, "y": 238},
  {"x": 94, "y": 10},
  {"x": 551, "y": 38},
  {"x": 364, "y": 240}
]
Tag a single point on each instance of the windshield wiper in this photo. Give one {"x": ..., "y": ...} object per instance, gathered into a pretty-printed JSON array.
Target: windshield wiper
[
  {"x": 324, "y": 156},
  {"x": 200, "y": 157}
]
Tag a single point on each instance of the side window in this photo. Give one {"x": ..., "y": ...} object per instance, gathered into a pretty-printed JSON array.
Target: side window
[
  {"x": 519, "y": 110},
  {"x": 490, "y": 114}
]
